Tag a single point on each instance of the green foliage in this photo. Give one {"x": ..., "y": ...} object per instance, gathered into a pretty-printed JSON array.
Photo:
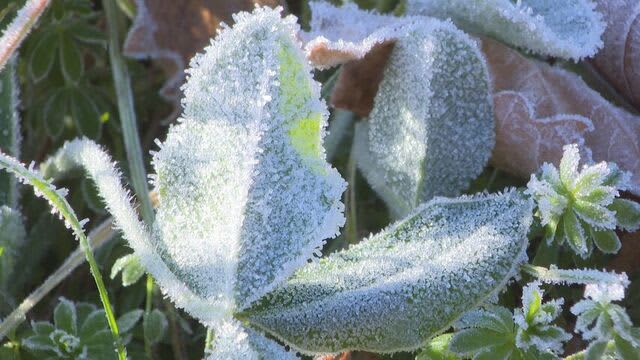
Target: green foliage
[
  {"x": 79, "y": 331},
  {"x": 581, "y": 208},
  {"x": 130, "y": 267}
]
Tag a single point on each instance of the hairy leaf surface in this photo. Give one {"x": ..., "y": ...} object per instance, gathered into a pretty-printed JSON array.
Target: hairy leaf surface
[
  {"x": 431, "y": 128},
  {"x": 566, "y": 29},
  {"x": 246, "y": 195},
  {"x": 233, "y": 341},
  {"x": 403, "y": 285}
]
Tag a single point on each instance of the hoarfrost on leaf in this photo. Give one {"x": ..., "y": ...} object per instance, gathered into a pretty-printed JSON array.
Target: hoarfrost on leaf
[
  {"x": 245, "y": 193},
  {"x": 398, "y": 288},
  {"x": 566, "y": 29},
  {"x": 581, "y": 207},
  {"x": 431, "y": 128}
]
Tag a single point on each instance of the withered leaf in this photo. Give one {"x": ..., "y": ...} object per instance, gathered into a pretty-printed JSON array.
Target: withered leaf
[
  {"x": 172, "y": 31},
  {"x": 619, "y": 61},
  {"x": 554, "y": 93}
]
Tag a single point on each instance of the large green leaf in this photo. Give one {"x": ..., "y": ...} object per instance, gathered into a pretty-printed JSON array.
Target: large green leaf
[
  {"x": 397, "y": 289},
  {"x": 431, "y": 129},
  {"x": 567, "y": 29},
  {"x": 246, "y": 196}
]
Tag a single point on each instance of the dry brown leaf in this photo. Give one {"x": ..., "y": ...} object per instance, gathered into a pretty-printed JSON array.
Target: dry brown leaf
[
  {"x": 358, "y": 81},
  {"x": 172, "y": 31},
  {"x": 619, "y": 61},
  {"x": 517, "y": 124},
  {"x": 552, "y": 92}
]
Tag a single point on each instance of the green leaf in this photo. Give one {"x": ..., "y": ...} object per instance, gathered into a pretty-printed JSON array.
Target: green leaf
[
  {"x": 574, "y": 233},
  {"x": 127, "y": 321},
  {"x": 43, "y": 56},
  {"x": 70, "y": 59},
  {"x": 131, "y": 269},
  {"x": 42, "y": 327},
  {"x": 96, "y": 321},
  {"x": 566, "y": 29},
  {"x": 64, "y": 316},
  {"x": 431, "y": 129},
  {"x": 405, "y": 284},
  {"x": 56, "y": 109},
  {"x": 39, "y": 342},
  {"x": 85, "y": 114},
  {"x": 87, "y": 33},
  {"x": 606, "y": 240},
  {"x": 596, "y": 350},
  {"x": 625, "y": 349},
  {"x": 12, "y": 239},
  {"x": 155, "y": 326},
  {"x": 627, "y": 214},
  {"x": 474, "y": 340},
  {"x": 595, "y": 215},
  {"x": 438, "y": 349}
]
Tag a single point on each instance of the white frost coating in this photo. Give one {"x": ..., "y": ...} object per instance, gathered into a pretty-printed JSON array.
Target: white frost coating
[
  {"x": 431, "y": 130},
  {"x": 398, "y": 288},
  {"x": 566, "y": 29},
  {"x": 19, "y": 28},
  {"x": 245, "y": 193},
  {"x": 234, "y": 342},
  {"x": 101, "y": 169},
  {"x": 604, "y": 292},
  {"x": 553, "y": 275}
]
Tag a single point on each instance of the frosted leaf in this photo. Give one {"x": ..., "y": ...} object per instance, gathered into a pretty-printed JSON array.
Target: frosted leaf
[
  {"x": 427, "y": 135},
  {"x": 234, "y": 342},
  {"x": 564, "y": 110},
  {"x": 553, "y": 275},
  {"x": 580, "y": 206},
  {"x": 172, "y": 31},
  {"x": 534, "y": 320},
  {"x": 245, "y": 193},
  {"x": 394, "y": 290},
  {"x": 566, "y": 29},
  {"x": 102, "y": 171},
  {"x": 618, "y": 61},
  {"x": 342, "y": 34}
]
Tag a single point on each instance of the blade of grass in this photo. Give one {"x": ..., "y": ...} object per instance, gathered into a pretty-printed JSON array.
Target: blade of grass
[{"x": 59, "y": 203}]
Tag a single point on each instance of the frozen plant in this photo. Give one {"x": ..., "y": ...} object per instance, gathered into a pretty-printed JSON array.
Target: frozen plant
[{"x": 582, "y": 207}]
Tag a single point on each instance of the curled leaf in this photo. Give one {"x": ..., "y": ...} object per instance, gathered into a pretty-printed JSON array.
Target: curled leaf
[
  {"x": 398, "y": 288},
  {"x": 245, "y": 193},
  {"x": 566, "y": 29},
  {"x": 172, "y": 31},
  {"x": 568, "y": 103},
  {"x": 430, "y": 131},
  {"x": 618, "y": 60}
]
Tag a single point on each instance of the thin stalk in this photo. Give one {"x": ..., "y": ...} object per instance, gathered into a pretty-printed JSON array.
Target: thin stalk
[
  {"x": 208, "y": 341},
  {"x": 59, "y": 203},
  {"x": 122, "y": 82},
  {"x": 19, "y": 28},
  {"x": 98, "y": 236},
  {"x": 351, "y": 228}
]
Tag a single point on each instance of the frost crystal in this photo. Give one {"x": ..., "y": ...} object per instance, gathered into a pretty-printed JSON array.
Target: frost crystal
[
  {"x": 431, "y": 129},
  {"x": 246, "y": 195},
  {"x": 234, "y": 342},
  {"x": 566, "y": 29},
  {"x": 577, "y": 206},
  {"x": 394, "y": 290}
]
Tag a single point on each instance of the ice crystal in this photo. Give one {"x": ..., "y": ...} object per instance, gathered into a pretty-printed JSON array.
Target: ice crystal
[
  {"x": 451, "y": 254},
  {"x": 601, "y": 321},
  {"x": 581, "y": 207},
  {"x": 431, "y": 129},
  {"x": 566, "y": 29},
  {"x": 494, "y": 333}
]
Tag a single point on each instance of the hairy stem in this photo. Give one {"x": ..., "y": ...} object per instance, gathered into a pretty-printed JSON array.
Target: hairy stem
[
  {"x": 59, "y": 203},
  {"x": 19, "y": 28},
  {"x": 98, "y": 236}
]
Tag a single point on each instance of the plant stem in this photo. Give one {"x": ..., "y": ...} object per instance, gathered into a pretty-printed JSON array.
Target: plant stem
[
  {"x": 147, "y": 310},
  {"x": 351, "y": 228},
  {"x": 208, "y": 341},
  {"x": 17, "y": 31},
  {"x": 122, "y": 82},
  {"x": 99, "y": 236}
]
